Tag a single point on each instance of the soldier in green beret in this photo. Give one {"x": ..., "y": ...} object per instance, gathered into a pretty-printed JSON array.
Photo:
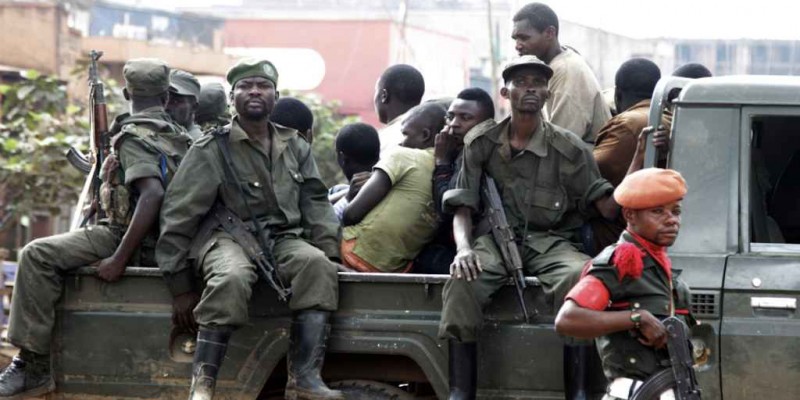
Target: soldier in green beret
[
  {"x": 274, "y": 169},
  {"x": 213, "y": 110},
  {"x": 184, "y": 93},
  {"x": 147, "y": 151}
]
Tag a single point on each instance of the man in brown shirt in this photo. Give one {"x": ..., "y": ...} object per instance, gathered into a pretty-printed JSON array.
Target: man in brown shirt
[{"x": 616, "y": 142}]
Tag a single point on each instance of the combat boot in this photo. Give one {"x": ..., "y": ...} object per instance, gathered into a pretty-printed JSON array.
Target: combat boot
[
  {"x": 576, "y": 360},
  {"x": 28, "y": 375},
  {"x": 308, "y": 339},
  {"x": 211, "y": 347},
  {"x": 463, "y": 370}
]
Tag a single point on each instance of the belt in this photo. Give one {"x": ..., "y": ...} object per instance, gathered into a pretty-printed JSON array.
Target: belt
[{"x": 624, "y": 388}]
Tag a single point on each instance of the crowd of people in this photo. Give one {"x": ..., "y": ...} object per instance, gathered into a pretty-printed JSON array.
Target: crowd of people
[{"x": 182, "y": 166}]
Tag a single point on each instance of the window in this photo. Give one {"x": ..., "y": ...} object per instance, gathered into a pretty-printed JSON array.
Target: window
[{"x": 775, "y": 179}]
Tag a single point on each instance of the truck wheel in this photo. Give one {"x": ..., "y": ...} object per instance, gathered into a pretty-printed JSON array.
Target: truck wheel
[
  {"x": 659, "y": 383},
  {"x": 370, "y": 390}
]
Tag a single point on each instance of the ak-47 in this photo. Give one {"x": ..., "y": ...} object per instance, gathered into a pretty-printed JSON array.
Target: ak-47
[
  {"x": 680, "y": 377},
  {"x": 99, "y": 143},
  {"x": 504, "y": 237}
]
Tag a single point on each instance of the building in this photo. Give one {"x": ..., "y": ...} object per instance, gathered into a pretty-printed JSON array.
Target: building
[{"x": 744, "y": 56}]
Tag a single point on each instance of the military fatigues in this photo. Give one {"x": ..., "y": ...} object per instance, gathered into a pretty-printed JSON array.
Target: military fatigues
[
  {"x": 284, "y": 191},
  {"x": 622, "y": 354},
  {"x": 147, "y": 147},
  {"x": 552, "y": 185}
]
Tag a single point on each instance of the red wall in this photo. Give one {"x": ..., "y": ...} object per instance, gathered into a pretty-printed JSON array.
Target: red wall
[{"x": 355, "y": 54}]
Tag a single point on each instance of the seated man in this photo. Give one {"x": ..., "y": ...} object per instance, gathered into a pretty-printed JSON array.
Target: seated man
[
  {"x": 184, "y": 93},
  {"x": 471, "y": 111},
  {"x": 616, "y": 142},
  {"x": 212, "y": 111},
  {"x": 549, "y": 184},
  {"x": 631, "y": 286},
  {"x": 293, "y": 113},
  {"x": 357, "y": 151},
  {"x": 393, "y": 217}
]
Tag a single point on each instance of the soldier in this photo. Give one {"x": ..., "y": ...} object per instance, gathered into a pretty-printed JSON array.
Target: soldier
[
  {"x": 631, "y": 285},
  {"x": 285, "y": 194},
  {"x": 549, "y": 183},
  {"x": 148, "y": 148},
  {"x": 184, "y": 91},
  {"x": 212, "y": 111}
]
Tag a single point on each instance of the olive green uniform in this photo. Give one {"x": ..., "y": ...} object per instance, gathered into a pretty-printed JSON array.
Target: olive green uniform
[
  {"x": 148, "y": 146},
  {"x": 548, "y": 190},
  {"x": 622, "y": 354},
  {"x": 288, "y": 198}
]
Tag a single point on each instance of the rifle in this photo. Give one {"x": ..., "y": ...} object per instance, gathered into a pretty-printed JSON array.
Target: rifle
[
  {"x": 260, "y": 248},
  {"x": 680, "y": 356},
  {"x": 99, "y": 143},
  {"x": 504, "y": 237}
]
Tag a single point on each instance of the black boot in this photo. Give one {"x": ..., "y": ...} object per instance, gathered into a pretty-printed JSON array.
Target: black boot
[
  {"x": 576, "y": 362},
  {"x": 211, "y": 347},
  {"x": 27, "y": 375},
  {"x": 308, "y": 339},
  {"x": 463, "y": 370}
]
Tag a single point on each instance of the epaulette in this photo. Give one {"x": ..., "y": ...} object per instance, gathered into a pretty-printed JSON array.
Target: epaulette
[
  {"x": 131, "y": 129},
  {"x": 604, "y": 258},
  {"x": 567, "y": 143},
  {"x": 479, "y": 130},
  {"x": 209, "y": 136}
]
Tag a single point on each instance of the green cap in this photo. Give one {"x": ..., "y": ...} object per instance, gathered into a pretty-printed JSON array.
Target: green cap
[
  {"x": 213, "y": 102},
  {"x": 184, "y": 84},
  {"x": 250, "y": 67},
  {"x": 526, "y": 61},
  {"x": 146, "y": 76}
]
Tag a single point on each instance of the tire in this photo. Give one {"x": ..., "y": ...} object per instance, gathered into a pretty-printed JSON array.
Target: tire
[
  {"x": 370, "y": 390},
  {"x": 659, "y": 383}
]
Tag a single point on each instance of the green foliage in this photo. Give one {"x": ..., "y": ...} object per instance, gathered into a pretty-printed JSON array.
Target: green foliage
[
  {"x": 327, "y": 122},
  {"x": 38, "y": 124}
]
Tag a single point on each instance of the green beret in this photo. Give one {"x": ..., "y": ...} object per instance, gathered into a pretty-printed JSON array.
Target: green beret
[
  {"x": 146, "y": 76},
  {"x": 184, "y": 84},
  {"x": 213, "y": 102},
  {"x": 250, "y": 67}
]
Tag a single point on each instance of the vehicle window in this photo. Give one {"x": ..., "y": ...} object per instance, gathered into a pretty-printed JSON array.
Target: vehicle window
[{"x": 775, "y": 180}]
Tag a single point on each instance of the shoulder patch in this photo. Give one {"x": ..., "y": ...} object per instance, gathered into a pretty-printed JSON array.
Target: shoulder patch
[{"x": 567, "y": 143}]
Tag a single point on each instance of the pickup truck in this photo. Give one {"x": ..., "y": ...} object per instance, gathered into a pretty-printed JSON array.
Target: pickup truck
[{"x": 736, "y": 140}]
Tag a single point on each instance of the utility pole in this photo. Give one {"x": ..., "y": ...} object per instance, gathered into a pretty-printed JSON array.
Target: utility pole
[{"x": 492, "y": 56}]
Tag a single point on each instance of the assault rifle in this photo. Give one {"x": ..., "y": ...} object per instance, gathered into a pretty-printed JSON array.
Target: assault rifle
[
  {"x": 680, "y": 377},
  {"x": 504, "y": 237},
  {"x": 99, "y": 143}
]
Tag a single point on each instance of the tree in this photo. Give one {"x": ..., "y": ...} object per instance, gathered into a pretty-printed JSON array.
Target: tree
[{"x": 38, "y": 124}]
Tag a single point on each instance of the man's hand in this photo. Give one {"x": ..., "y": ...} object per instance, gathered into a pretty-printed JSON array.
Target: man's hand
[
  {"x": 466, "y": 264},
  {"x": 445, "y": 146},
  {"x": 183, "y": 311},
  {"x": 653, "y": 332},
  {"x": 661, "y": 139},
  {"x": 111, "y": 269},
  {"x": 356, "y": 183}
]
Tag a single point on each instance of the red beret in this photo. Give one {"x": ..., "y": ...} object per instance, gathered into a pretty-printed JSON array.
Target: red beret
[{"x": 650, "y": 187}]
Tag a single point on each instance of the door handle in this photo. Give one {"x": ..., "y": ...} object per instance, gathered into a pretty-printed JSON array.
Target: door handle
[{"x": 775, "y": 303}]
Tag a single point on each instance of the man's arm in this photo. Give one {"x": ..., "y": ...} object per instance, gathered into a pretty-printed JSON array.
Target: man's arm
[
  {"x": 615, "y": 147},
  {"x": 145, "y": 215},
  {"x": 376, "y": 188},
  {"x": 316, "y": 212},
  {"x": 466, "y": 263}
]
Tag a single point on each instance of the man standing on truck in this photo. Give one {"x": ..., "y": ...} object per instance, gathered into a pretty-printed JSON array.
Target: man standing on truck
[
  {"x": 616, "y": 142},
  {"x": 576, "y": 101},
  {"x": 257, "y": 173},
  {"x": 549, "y": 184},
  {"x": 631, "y": 286},
  {"x": 148, "y": 149},
  {"x": 399, "y": 89}
]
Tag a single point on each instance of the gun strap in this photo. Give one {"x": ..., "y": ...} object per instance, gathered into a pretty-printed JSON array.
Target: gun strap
[{"x": 222, "y": 135}]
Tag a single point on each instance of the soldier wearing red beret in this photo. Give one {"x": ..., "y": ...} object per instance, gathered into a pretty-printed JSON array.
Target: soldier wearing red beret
[{"x": 631, "y": 286}]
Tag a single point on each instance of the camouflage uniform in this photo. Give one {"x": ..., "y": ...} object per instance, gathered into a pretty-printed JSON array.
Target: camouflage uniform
[{"x": 548, "y": 190}]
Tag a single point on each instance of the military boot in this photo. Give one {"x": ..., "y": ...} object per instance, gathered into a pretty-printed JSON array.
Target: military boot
[
  {"x": 463, "y": 370},
  {"x": 576, "y": 363},
  {"x": 28, "y": 375},
  {"x": 308, "y": 339},
  {"x": 211, "y": 347}
]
